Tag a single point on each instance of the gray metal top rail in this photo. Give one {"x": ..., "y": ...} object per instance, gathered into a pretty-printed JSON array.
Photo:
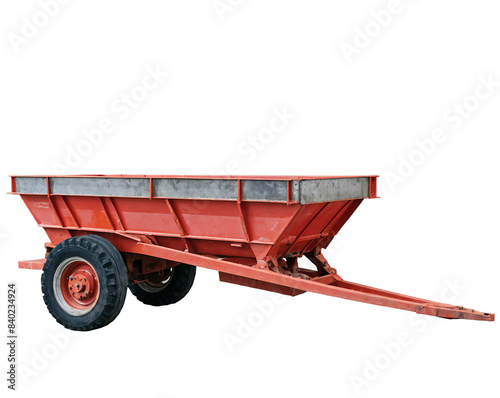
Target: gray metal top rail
[{"x": 301, "y": 190}]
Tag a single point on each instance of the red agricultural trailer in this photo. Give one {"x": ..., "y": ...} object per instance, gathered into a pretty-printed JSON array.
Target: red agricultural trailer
[{"x": 149, "y": 233}]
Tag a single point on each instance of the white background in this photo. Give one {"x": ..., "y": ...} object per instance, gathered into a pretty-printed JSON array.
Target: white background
[{"x": 228, "y": 68}]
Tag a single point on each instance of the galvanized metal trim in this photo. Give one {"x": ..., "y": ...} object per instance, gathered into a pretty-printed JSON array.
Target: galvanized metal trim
[
  {"x": 303, "y": 191},
  {"x": 296, "y": 191},
  {"x": 178, "y": 188},
  {"x": 264, "y": 190},
  {"x": 36, "y": 185},
  {"x": 317, "y": 191},
  {"x": 97, "y": 186}
]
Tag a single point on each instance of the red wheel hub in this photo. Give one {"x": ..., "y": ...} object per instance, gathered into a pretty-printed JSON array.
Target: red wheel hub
[{"x": 80, "y": 285}]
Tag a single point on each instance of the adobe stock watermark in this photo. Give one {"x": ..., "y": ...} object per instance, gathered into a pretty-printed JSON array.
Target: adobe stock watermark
[
  {"x": 390, "y": 351},
  {"x": 31, "y": 26},
  {"x": 121, "y": 109},
  {"x": 249, "y": 149},
  {"x": 255, "y": 319},
  {"x": 364, "y": 36},
  {"x": 224, "y": 8},
  {"x": 42, "y": 358},
  {"x": 453, "y": 118}
]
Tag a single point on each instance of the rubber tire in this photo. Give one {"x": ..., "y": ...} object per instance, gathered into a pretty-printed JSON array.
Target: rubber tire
[
  {"x": 176, "y": 289},
  {"x": 111, "y": 272}
]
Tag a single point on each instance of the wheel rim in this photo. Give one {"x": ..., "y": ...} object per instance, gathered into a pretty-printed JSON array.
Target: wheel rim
[
  {"x": 76, "y": 286},
  {"x": 158, "y": 284}
]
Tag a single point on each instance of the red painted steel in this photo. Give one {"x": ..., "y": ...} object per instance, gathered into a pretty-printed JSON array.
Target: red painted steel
[
  {"x": 205, "y": 227},
  {"x": 250, "y": 243},
  {"x": 79, "y": 285},
  {"x": 32, "y": 264}
]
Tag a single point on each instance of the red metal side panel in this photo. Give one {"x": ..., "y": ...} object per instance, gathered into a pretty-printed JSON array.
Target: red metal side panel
[
  {"x": 303, "y": 219},
  {"x": 89, "y": 212},
  {"x": 315, "y": 225},
  {"x": 217, "y": 219},
  {"x": 267, "y": 221},
  {"x": 213, "y": 227},
  {"x": 323, "y": 218},
  {"x": 152, "y": 215},
  {"x": 40, "y": 208},
  {"x": 64, "y": 211}
]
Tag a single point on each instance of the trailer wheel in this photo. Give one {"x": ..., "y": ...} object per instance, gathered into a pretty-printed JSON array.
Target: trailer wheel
[
  {"x": 84, "y": 282},
  {"x": 167, "y": 289}
]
